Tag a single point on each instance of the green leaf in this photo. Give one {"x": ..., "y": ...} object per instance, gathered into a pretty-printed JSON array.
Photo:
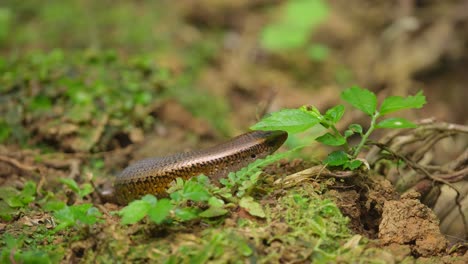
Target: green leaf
[
  {"x": 336, "y": 158},
  {"x": 11, "y": 196},
  {"x": 215, "y": 202},
  {"x": 28, "y": 193},
  {"x": 213, "y": 212},
  {"x": 40, "y": 102},
  {"x": 71, "y": 215},
  {"x": 353, "y": 128},
  {"x": 331, "y": 140},
  {"x": 289, "y": 120},
  {"x": 396, "y": 122},
  {"x": 334, "y": 114},
  {"x": 395, "y": 103},
  {"x": 352, "y": 164},
  {"x": 356, "y": 128},
  {"x": 160, "y": 211},
  {"x": 54, "y": 205},
  {"x": 64, "y": 217},
  {"x": 186, "y": 214},
  {"x": 87, "y": 215},
  {"x": 85, "y": 190},
  {"x": 5, "y": 131},
  {"x": 251, "y": 206},
  {"x": 6, "y": 212},
  {"x": 150, "y": 199},
  {"x": 134, "y": 212},
  {"x": 362, "y": 99},
  {"x": 15, "y": 199},
  {"x": 71, "y": 184},
  {"x": 215, "y": 209},
  {"x": 348, "y": 133},
  {"x": 195, "y": 191}
]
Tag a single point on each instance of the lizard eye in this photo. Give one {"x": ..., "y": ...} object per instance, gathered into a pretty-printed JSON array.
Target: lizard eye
[{"x": 253, "y": 156}]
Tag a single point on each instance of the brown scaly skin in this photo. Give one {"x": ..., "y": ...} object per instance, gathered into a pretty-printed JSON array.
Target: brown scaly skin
[{"x": 153, "y": 175}]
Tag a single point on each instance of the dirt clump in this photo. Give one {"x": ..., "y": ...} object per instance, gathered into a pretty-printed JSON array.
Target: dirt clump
[{"x": 409, "y": 222}]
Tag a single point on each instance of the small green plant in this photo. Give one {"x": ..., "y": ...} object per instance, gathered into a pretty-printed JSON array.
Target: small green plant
[
  {"x": 12, "y": 199},
  {"x": 12, "y": 253},
  {"x": 76, "y": 216},
  {"x": 82, "y": 191},
  {"x": 298, "y": 120},
  {"x": 199, "y": 198}
]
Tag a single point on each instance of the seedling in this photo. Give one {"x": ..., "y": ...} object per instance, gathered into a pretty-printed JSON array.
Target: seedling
[{"x": 306, "y": 117}]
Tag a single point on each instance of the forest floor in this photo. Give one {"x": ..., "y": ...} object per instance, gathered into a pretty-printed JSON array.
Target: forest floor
[{"x": 82, "y": 98}]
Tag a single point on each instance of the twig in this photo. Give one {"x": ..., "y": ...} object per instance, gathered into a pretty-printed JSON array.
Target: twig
[
  {"x": 315, "y": 171},
  {"x": 17, "y": 164}
]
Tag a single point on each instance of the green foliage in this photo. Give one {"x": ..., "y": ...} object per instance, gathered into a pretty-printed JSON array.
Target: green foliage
[
  {"x": 5, "y": 131},
  {"x": 290, "y": 120},
  {"x": 193, "y": 190},
  {"x": 362, "y": 99},
  {"x": 395, "y": 103},
  {"x": 157, "y": 210},
  {"x": 12, "y": 252},
  {"x": 296, "y": 23},
  {"x": 395, "y": 122},
  {"x": 198, "y": 198},
  {"x": 12, "y": 199},
  {"x": 297, "y": 120},
  {"x": 5, "y": 23},
  {"x": 253, "y": 207},
  {"x": 242, "y": 182},
  {"x": 214, "y": 245},
  {"x": 35, "y": 248},
  {"x": 82, "y": 191},
  {"x": 76, "y": 216},
  {"x": 314, "y": 223},
  {"x": 19, "y": 199}
]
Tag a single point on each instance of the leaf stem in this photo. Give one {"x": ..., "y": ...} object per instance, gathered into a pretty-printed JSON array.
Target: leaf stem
[{"x": 367, "y": 134}]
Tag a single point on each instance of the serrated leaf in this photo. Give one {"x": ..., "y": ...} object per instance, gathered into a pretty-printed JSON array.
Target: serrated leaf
[
  {"x": 134, "y": 212},
  {"x": 289, "y": 120},
  {"x": 331, "y": 140},
  {"x": 334, "y": 114},
  {"x": 362, "y": 99},
  {"x": 160, "y": 211},
  {"x": 251, "y": 206},
  {"x": 395, "y": 103},
  {"x": 336, "y": 158},
  {"x": 396, "y": 122}
]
